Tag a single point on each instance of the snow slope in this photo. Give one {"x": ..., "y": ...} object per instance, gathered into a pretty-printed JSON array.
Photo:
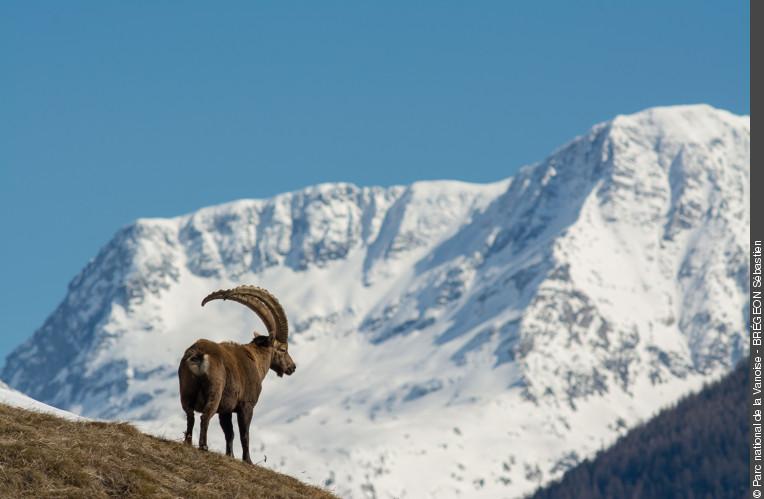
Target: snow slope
[
  {"x": 9, "y": 396},
  {"x": 452, "y": 339}
]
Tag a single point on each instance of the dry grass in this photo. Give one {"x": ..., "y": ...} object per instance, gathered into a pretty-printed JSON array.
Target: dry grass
[{"x": 45, "y": 456}]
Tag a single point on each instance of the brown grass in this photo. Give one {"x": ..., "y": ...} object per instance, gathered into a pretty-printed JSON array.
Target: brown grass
[{"x": 45, "y": 456}]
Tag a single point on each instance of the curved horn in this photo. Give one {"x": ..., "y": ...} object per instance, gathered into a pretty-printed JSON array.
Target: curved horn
[
  {"x": 243, "y": 295},
  {"x": 282, "y": 325}
]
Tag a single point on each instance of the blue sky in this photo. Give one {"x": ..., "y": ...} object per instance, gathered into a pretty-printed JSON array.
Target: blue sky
[{"x": 117, "y": 110}]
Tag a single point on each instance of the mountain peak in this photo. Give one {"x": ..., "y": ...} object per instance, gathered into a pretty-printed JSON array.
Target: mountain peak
[{"x": 695, "y": 123}]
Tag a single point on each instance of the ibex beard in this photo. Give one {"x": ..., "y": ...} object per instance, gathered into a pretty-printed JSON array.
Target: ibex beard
[{"x": 227, "y": 378}]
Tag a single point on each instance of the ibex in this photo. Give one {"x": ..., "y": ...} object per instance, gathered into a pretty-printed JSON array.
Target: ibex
[{"x": 227, "y": 377}]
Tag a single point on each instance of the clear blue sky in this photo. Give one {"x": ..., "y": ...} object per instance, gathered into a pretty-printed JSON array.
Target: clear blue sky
[{"x": 110, "y": 111}]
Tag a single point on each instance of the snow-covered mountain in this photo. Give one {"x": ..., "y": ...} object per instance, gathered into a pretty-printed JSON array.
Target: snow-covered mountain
[{"x": 451, "y": 338}]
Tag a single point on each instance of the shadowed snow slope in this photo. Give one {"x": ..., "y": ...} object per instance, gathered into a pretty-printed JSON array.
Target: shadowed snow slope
[{"x": 451, "y": 339}]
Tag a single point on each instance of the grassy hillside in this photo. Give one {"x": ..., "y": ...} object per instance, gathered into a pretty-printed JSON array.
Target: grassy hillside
[
  {"x": 45, "y": 456},
  {"x": 697, "y": 449}
]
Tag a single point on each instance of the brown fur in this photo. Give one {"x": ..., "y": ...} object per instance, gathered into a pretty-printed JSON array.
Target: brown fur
[{"x": 226, "y": 378}]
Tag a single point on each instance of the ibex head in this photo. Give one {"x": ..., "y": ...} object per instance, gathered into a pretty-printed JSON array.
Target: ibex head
[
  {"x": 268, "y": 308},
  {"x": 281, "y": 362}
]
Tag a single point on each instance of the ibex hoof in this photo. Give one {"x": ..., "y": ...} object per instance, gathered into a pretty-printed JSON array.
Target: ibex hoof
[{"x": 203, "y": 447}]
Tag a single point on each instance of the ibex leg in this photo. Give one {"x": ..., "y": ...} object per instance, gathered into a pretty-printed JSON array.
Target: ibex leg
[
  {"x": 189, "y": 426},
  {"x": 210, "y": 408},
  {"x": 244, "y": 417},
  {"x": 226, "y": 422}
]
